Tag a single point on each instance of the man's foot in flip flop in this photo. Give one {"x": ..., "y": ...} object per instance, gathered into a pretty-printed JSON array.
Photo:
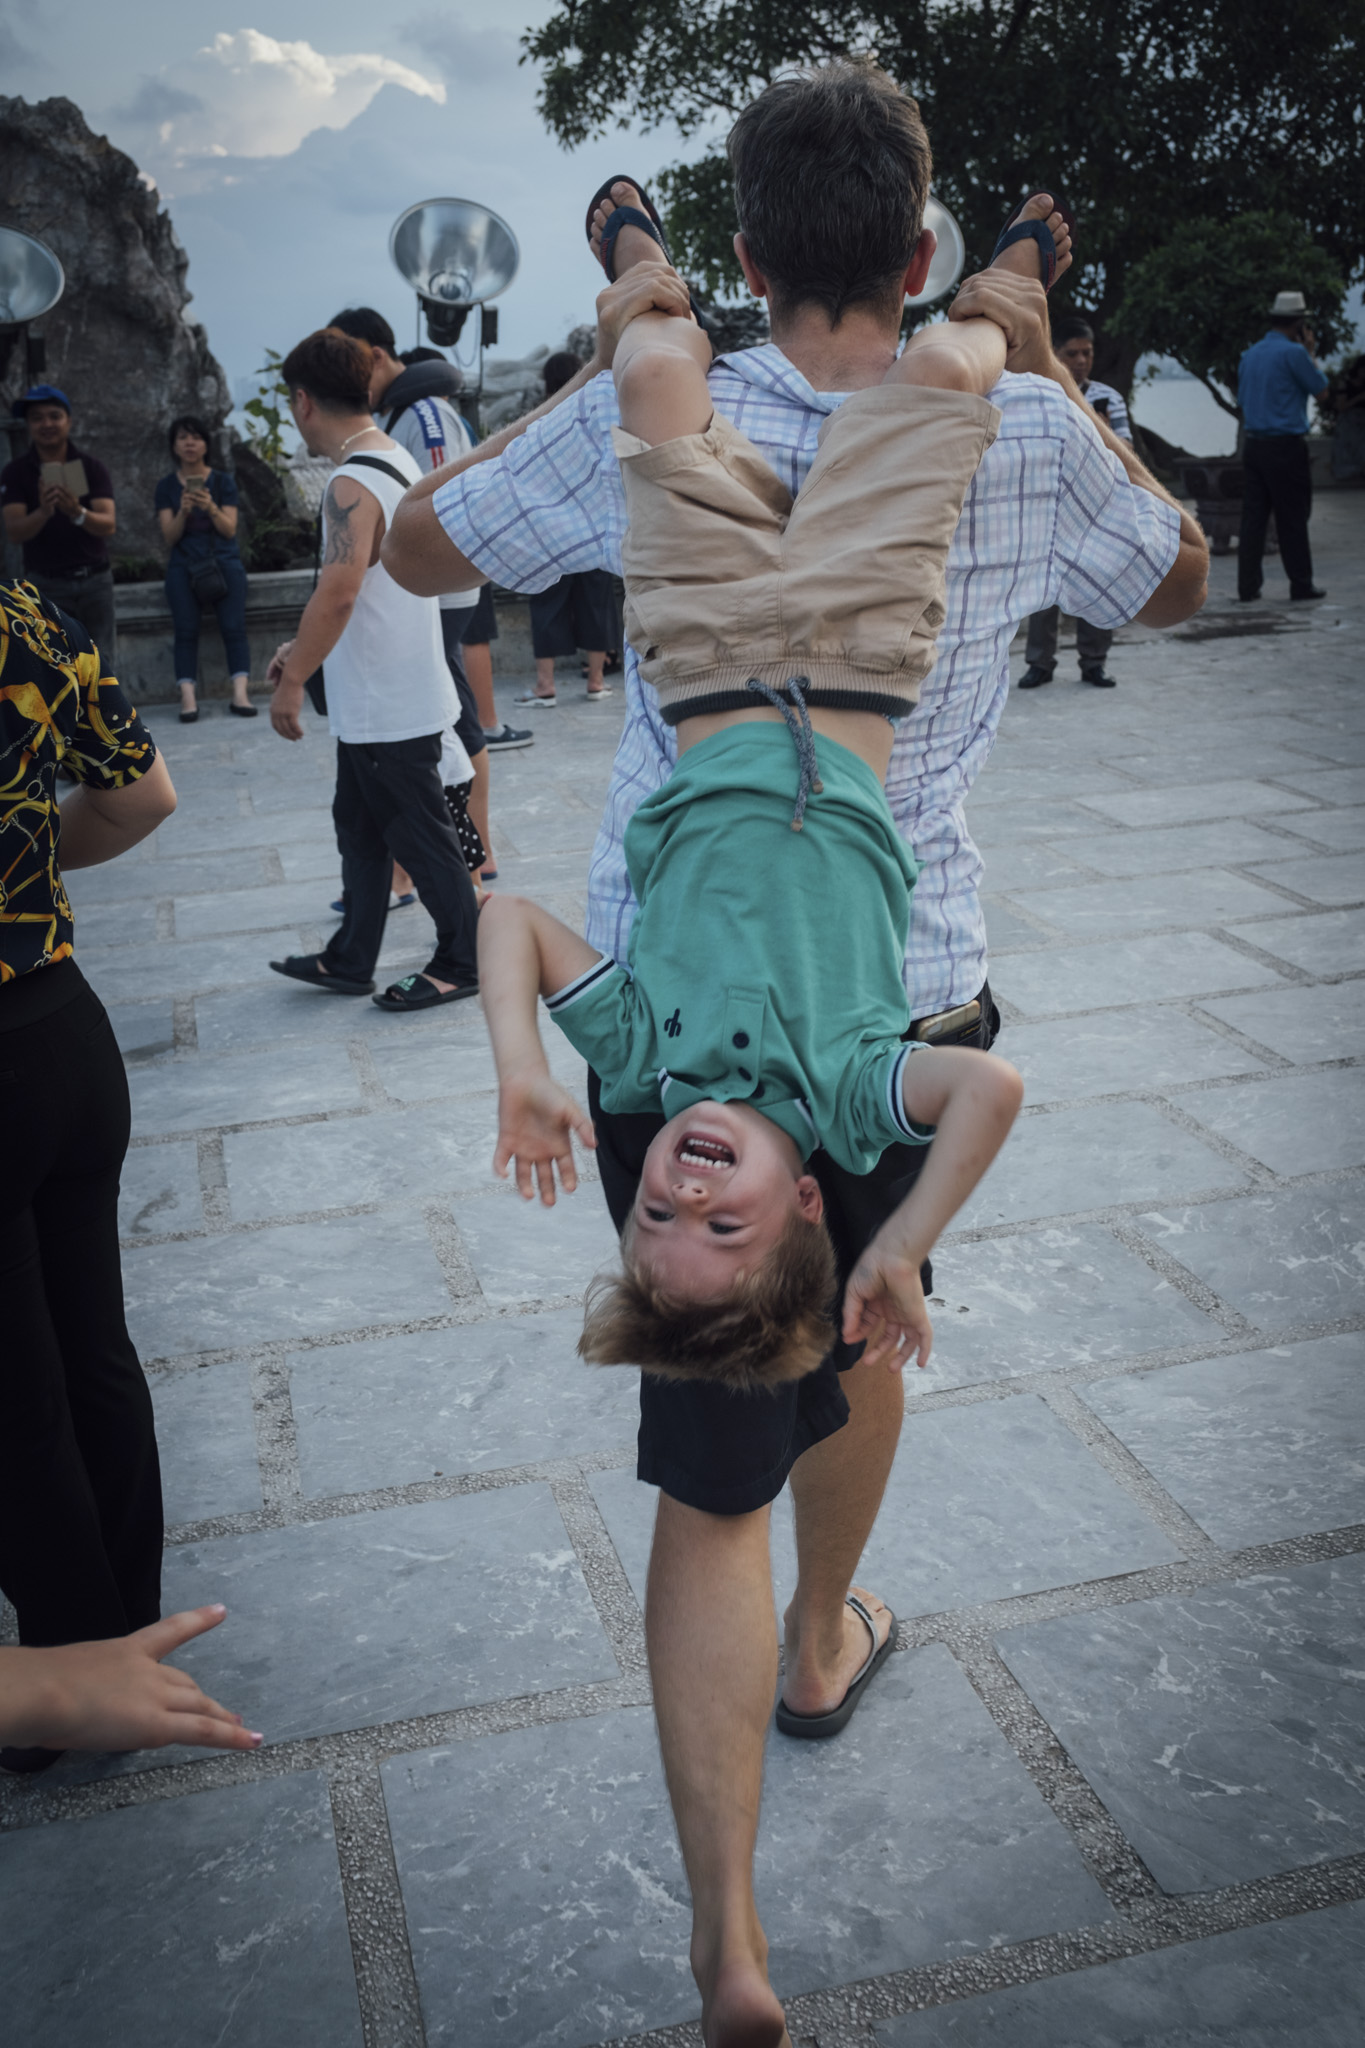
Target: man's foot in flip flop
[
  {"x": 423, "y": 992},
  {"x": 815, "y": 1682},
  {"x": 308, "y": 967},
  {"x": 633, "y": 245},
  {"x": 1023, "y": 257}
]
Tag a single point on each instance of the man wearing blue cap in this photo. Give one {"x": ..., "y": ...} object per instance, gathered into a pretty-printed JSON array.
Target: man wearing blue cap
[{"x": 59, "y": 505}]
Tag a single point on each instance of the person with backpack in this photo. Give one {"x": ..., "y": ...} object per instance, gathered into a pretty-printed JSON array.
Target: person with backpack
[{"x": 391, "y": 700}]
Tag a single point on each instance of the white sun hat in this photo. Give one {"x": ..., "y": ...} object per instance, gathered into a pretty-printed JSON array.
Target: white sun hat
[{"x": 1287, "y": 303}]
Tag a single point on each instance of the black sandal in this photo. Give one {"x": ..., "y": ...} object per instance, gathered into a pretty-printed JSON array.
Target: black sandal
[
  {"x": 417, "y": 992},
  {"x": 1016, "y": 230},
  {"x": 632, "y": 217},
  {"x": 814, "y": 1727}
]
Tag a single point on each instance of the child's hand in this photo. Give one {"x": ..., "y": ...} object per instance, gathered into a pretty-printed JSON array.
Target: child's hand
[
  {"x": 884, "y": 1304},
  {"x": 536, "y": 1118}
]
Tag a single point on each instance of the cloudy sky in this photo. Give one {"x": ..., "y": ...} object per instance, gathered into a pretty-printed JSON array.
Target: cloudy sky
[{"x": 286, "y": 138}]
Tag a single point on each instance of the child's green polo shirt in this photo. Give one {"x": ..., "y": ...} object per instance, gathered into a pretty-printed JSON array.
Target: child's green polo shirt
[{"x": 764, "y": 964}]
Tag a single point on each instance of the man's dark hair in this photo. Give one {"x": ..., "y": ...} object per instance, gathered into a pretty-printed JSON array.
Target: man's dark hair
[
  {"x": 409, "y": 356},
  {"x": 831, "y": 177},
  {"x": 1071, "y": 327},
  {"x": 190, "y": 423},
  {"x": 557, "y": 370},
  {"x": 333, "y": 368},
  {"x": 362, "y": 323}
]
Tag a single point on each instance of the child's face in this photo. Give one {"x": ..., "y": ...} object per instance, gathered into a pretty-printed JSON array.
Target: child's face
[{"x": 719, "y": 1186}]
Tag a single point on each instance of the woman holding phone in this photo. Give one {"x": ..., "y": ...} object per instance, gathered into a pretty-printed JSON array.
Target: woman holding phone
[{"x": 197, "y": 507}]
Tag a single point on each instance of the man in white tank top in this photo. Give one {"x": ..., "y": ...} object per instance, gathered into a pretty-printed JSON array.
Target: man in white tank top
[{"x": 390, "y": 698}]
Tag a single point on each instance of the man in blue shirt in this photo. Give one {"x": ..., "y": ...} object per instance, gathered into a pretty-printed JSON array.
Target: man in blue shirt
[{"x": 1277, "y": 378}]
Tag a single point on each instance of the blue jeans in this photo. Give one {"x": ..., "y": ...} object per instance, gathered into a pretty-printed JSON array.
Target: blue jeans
[{"x": 230, "y": 610}]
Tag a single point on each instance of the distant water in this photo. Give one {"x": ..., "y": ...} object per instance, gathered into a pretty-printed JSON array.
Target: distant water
[{"x": 1182, "y": 412}]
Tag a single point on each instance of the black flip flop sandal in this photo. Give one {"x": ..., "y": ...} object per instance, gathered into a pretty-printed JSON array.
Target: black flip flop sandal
[
  {"x": 1016, "y": 230},
  {"x": 815, "y": 1727},
  {"x": 304, "y": 967},
  {"x": 631, "y": 216},
  {"x": 415, "y": 992}
]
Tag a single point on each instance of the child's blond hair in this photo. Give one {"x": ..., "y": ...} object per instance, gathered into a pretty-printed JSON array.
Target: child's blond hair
[{"x": 777, "y": 1325}]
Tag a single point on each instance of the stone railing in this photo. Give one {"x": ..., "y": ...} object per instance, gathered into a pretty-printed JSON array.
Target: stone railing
[{"x": 274, "y": 604}]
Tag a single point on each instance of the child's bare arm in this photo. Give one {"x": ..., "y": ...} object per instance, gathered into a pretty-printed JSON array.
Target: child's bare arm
[
  {"x": 525, "y": 953},
  {"x": 972, "y": 1098}
]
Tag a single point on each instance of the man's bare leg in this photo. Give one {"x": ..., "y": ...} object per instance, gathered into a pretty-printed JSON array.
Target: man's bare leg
[
  {"x": 712, "y": 1638},
  {"x": 837, "y": 1488}
]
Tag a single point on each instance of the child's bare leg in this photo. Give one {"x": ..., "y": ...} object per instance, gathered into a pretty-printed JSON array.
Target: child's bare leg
[
  {"x": 969, "y": 355},
  {"x": 663, "y": 356}
]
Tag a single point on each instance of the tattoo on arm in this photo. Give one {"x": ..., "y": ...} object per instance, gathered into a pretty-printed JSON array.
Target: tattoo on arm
[{"x": 341, "y": 539}]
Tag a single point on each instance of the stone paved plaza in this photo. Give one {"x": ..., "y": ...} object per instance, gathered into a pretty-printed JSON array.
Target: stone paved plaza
[{"x": 1109, "y": 1791}]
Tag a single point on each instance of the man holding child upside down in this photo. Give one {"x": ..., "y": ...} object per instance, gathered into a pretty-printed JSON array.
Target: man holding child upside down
[{"x": 831, "y": 175}]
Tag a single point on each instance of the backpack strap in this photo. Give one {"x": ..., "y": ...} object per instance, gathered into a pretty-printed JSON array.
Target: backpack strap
[{"x": 378, "y": 462}]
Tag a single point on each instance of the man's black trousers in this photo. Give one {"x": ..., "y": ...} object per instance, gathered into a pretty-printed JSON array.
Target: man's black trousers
[
  {"x": 1279, "y": 479},
  {"x": 389, "y": 806},
  {"x": 80, "y": 1484}
]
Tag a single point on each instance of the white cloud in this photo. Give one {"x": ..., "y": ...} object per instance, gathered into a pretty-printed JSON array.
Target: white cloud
[{"x": 254, "y": 96}]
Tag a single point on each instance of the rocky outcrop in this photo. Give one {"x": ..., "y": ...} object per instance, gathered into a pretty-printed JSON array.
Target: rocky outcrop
[{"x": 119, "y": 343}]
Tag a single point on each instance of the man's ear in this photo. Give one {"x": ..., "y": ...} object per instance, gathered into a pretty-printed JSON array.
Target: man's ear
[
  {"x": 809, "y": 1199},
  {"x": 919, "y": 262},
  {"x": 753, "y": 276}
]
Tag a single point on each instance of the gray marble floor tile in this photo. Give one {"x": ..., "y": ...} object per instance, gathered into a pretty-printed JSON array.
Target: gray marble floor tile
[
  {"x": 377, "y": 1617},
  {"x": 285, "y": 906},
  {"x": 130, "y": 880},
  {"x": 129, "y": 923},
  {"x": 207, "y": 1441},
  {"x": 177, "y": 967},
  {"x": 1001, "y": 825},
  {"x": 213, "y": 1918},
  {"x": 1293, "y": 1256},
  {"x": 1294, "y": 1984},
  {"x": 1292, "y": 1123},
  {"x": 1007, "y": 931},
  {"x": 1193, "y": 803},
  {"x": 1324, "y": 878},
  {"x": 1071, "y": 1160},
  {"x": 1174, "y": 848},
  {"x": 1118, "y": 971},
  {"x": 315, "y": 861},
  {"x": 1326, "y": 785},
  {"x": 1069, "y": 1295},
  {"x": 920, "y": 1838},
  {"x": 392, "y": 1156},
  {"x": 523, "y": 1252},
  {"x": 1221, "y": 1729},
  {"x": 296, "y": 1280},
  {"x": 198, "y": 1093},
  {"x": 159, "y": 1191},
  {"x": 1144, "y": 903},
  {"x": 472, "y": 1399},
  {"x": 1332, "y": 942},
  {"x": 1259, "y": 1447},
  {"x": 1070, "y": 1057},
  {"x": 990, "y": 1501},
  {"x": 1301, "y": 1024},
  {"x": 1343, "y": 831},
  {"x": 143, "y": 1029}
]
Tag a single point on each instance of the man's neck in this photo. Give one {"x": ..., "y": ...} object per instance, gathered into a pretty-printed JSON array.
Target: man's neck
[
  {"x": 337, "y": 435},
  {"x": 850, "y": 357}
]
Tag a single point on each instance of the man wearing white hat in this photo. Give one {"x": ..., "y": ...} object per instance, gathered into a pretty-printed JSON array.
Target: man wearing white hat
[{"x": 1278, "y": 376}]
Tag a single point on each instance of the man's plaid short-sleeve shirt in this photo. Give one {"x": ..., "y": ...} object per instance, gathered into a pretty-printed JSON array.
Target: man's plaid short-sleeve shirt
[{"x": 1050, "y": 518}]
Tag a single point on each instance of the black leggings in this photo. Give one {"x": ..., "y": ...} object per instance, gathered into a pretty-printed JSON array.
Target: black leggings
[{"x": 80, "y": 1485}]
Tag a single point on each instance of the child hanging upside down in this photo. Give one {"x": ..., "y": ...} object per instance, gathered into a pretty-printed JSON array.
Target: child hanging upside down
[{"x": 762, "y": 1003}]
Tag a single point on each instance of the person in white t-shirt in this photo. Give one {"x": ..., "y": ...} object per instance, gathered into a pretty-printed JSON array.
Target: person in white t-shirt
[
  {"x": 391, "y": 700},
  {"x": 1073, "y": 343}
]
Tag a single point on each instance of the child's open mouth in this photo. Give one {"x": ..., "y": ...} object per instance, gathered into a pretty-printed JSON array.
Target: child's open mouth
[{"x": 703, "y": 1155}]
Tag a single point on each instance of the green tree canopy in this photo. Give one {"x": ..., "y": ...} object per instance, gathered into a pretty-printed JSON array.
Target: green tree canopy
[
  {"x": 1144, "y": 113},
  {"x": 1202, "y": 296}
]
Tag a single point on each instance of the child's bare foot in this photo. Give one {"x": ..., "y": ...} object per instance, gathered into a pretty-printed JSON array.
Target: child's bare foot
[
  {"x": 1024, "y": 257},
  {"x": 633, "y": 245}
]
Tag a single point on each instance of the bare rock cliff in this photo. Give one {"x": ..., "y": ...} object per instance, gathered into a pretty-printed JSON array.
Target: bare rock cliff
[{"x": 119, "y": 343}]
